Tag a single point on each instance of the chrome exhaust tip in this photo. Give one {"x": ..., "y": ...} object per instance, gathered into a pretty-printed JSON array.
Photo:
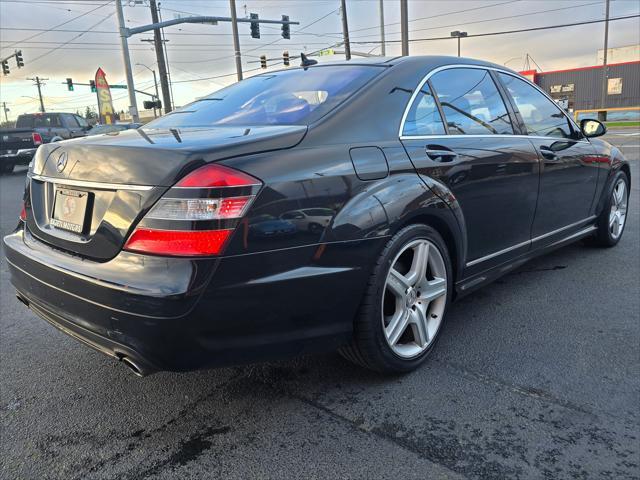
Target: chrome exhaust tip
[{"x": 137, "y": 368}]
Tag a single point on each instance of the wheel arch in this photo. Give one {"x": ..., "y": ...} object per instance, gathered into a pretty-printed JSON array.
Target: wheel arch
[{"x": 448, "y": 229}]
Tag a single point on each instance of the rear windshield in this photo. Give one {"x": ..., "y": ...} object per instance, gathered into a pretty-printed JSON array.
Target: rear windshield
[
  {"x": 42, "y": 120},
  {"x": 290, "y": 97}
]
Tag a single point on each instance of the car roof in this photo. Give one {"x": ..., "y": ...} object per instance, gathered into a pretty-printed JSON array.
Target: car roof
[{"x": 431, "y": 61}]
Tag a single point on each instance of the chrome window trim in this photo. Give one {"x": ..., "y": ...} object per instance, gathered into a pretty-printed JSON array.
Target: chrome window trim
[
  {"x": 535, "y": 239},
  {"x": 424, "y": 80},
  {"x": 91, "y": 185}
]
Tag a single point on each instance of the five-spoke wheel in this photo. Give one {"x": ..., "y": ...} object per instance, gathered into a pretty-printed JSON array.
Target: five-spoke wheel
[
  {"x": 414, "y": 299},
  {"x": 618, "y": 212},
  {"x": 403, "y": 309}
]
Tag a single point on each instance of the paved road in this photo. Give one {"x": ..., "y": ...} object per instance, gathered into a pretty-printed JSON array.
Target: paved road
[{"x": 536, "y": 376}]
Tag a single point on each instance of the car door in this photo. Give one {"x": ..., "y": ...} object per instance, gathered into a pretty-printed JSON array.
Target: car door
[
  {"x": 459, "y": 131},
  {"x": 568, "y": 172}
]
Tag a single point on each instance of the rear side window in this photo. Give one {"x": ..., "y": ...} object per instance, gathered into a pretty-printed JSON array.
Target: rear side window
[
  {"x": 289, "y": 97},
  {"x": 540, "y": 115},
  {"x": 423, "y": 117},
  {"x": 24, "y": 121},
  {"x": 43, "y": 120},
  {"x": 471, "y": 102}
]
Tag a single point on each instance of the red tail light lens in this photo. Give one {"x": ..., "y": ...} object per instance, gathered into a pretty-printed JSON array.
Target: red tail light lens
[
  {"x": 196, "y": 222},
  {"x": 23, "y": 213},
  {"x": 178, "y": 242},
  {"x": 37, "y": 138},
  {"x": 211, "y": 176}
]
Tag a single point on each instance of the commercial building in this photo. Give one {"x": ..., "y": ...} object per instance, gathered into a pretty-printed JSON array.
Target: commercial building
[{"x": 614, "y": 88}]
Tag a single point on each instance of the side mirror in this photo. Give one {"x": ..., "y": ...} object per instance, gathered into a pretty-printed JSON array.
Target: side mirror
[{"x": 592, "y": 128}]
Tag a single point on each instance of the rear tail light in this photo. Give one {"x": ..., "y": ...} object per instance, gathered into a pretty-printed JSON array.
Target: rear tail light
[
  {"x": 37, "y": 138},
  {"x": 23, "y": 213},
  {"x": 198, "y": 215}
]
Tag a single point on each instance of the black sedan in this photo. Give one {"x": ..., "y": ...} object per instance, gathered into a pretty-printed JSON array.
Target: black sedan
[{"x": 167, "y": 247}]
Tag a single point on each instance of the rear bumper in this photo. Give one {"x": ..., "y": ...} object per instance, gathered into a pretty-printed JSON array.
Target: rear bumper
[
  {"x": 21, "y": 157},
  {"x": 184, "y": 314}
]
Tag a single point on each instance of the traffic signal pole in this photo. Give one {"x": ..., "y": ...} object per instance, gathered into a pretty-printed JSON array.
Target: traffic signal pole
[
  {"x": 160, "y": 58},
  {"x": 126, "y": 59},
  {"x": 125, "y": 33},
  {"x": 236, "y": 38}
]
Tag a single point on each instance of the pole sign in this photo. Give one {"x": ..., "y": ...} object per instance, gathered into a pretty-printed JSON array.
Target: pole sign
[{"x": 105, "y": 103}]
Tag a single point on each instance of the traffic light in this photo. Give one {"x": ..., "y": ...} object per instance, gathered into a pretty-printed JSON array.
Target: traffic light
[
  {"x": 92, "y": 84},
  {"x": 255, "y": 26},
  {"x": 285, "y": 58},
  {"x": 286, "y": 31},
  {"x": 70, "y": 84},
  {"x": 5, "y": 68},
  {"x": 19, "y": 59},
  {"x": 148, "y": 104},
  {"x": 263, "y": 61}
]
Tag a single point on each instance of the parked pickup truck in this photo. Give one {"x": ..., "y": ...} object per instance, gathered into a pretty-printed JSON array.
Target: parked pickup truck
[{"x": 18, "y": 145}]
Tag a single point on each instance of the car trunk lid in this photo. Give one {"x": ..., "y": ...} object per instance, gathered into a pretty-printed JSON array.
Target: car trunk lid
[{"x": 86, "y": 195}]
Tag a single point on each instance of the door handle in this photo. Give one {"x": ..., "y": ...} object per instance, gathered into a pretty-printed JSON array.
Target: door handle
[
  {"x": 548, "y": 154},
  {"x": 440, "y": 154}
]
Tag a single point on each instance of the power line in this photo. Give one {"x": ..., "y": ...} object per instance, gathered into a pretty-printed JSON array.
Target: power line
[
  {"x": 528, "y": 14},
  {"x": 42, "y": 31},
  {"x": 74, "y": 38},
  {"x": 504, "y": 32}
]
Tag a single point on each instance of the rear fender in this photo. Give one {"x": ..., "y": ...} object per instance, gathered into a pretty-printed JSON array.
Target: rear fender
[{"x": 388, "y": 205}]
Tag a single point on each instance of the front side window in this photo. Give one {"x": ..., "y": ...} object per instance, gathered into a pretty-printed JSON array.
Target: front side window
[
  {"x": 70, "y": 120},
  {"x": 289, "y": 97},
  {"x": 471, "y": 102},
  {"x": 540, "y": 115},
  {"x": 423, "y": 117}
]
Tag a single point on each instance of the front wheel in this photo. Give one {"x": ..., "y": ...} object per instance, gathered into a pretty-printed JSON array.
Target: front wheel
[
  {"x": 613, "y": 217},
  {"x": 403, "y": 309}
]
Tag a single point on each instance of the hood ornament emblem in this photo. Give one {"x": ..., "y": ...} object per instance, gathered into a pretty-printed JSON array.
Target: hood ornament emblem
[{"x": 62, "y": 162}]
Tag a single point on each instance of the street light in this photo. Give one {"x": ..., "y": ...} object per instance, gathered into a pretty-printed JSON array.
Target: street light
[
  {"x": 458, "y": 34},
  {"x": 155, "y": 82}
]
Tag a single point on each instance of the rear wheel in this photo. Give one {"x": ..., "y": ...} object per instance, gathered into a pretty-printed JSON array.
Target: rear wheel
[
  {"x": 613, "y": 217},
  {"x": 6, "y": 168},
  {"x": 403, "y": 310}
]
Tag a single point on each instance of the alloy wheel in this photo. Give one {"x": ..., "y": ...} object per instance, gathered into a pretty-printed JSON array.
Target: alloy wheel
[
  {"x": 618, "y": 213},
  {"x": 414, "y": 298}
]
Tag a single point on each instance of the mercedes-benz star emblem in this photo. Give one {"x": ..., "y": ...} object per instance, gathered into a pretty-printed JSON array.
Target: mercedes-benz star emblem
[{"x": 62, "y": 162}]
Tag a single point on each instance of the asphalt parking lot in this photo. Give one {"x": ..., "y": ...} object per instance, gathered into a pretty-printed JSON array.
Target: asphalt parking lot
[{"x": 535, "y": 376}]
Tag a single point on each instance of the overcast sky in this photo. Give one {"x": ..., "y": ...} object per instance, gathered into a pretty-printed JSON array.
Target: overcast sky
[{"x": 197, "y": 51}]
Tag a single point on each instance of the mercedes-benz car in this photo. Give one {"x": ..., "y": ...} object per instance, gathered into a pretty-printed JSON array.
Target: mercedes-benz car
[{"x": 438, "y": 175}]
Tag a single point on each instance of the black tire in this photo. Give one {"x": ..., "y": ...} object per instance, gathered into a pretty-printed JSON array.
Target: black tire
[
  {"x": 7, "y": 168},
  {"x": 369, "y": 347},
  {"x": 315, "y": 228},
  {"x": 603, "y": 236}
]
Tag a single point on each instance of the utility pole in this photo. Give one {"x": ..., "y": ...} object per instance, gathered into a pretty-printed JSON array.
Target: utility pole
[
  {"x": 162, "y": 66},
  {"x": 236, "y": 39},
  {"x": 404, "y": 27},
  {"x": 133, "y": 106},
  {"x": 39, "y": 84},
  {"x": 602, "y": 115},
  {"x": 345, "y": 30},
  {"x": 383, "y": 47},
  {"x": 155, "y": 83}
]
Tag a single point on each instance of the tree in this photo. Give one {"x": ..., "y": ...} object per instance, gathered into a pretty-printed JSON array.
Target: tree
[{"x": 90, "y": 113}]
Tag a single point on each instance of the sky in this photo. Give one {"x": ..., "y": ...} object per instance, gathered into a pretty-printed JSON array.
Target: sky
[{"x": 89, "y": 39}]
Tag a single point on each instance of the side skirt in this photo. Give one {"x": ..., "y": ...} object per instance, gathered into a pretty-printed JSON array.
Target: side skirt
[{"x": 468, "y": 285}]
